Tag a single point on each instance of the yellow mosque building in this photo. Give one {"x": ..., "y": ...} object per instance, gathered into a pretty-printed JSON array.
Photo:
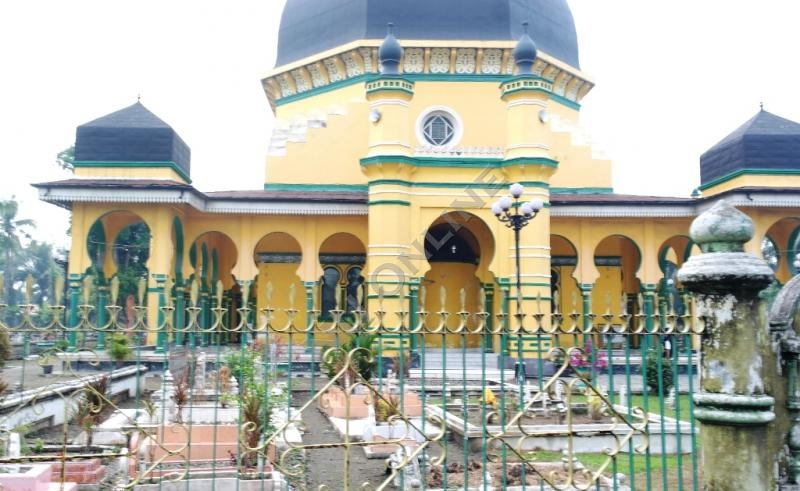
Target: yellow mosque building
[{"x": 390, "y": 147}]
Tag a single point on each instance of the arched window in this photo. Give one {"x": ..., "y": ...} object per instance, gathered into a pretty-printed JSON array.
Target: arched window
[
  {"x": 330, "y": 287},
  {"x": 355, "y": 290}
]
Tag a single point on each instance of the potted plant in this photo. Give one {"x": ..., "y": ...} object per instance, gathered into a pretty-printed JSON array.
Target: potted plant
[{"x": 49, "y": 356}]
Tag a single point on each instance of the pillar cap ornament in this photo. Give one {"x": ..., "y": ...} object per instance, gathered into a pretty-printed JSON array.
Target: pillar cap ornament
[
  {"x": 724, "y": 267},
  {"x": 723, "y": 228}
]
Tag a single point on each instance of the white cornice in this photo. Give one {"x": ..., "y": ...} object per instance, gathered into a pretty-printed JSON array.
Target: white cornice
[
  {"x": 71, "y": 194},
  {"x": 601, "y": 210},
  {"x": 739, "y": 199}
]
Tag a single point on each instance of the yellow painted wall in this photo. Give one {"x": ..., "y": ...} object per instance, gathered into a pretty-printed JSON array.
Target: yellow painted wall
[
  {"x": 453, "y": 277},
  {"x": 129, "y": 173},
  {"x": 772, "y": 181},
  {"x": 479, "y": 106}
]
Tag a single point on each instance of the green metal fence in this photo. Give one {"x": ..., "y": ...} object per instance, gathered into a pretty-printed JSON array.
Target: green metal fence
[{"x": 430, "y": 400}]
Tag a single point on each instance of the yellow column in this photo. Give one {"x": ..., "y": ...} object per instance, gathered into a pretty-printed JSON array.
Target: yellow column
[
  {"x": 392, "y": 259},
  {"x": 528, "y": 161},
  {"x": 161, "y": 253}
]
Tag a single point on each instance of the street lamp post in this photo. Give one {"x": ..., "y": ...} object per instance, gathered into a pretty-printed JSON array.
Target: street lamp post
[{"x": 516, "y": 214}]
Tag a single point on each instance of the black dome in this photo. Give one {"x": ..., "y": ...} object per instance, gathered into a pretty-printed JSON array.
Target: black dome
[
  {"x": 131, "y": 135},
  {"x": 765, "y": 142},
  {"x": 313, "y": 26}
]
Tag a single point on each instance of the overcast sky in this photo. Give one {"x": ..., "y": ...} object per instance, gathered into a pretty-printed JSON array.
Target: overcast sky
[{"x": 673, "y": 78}]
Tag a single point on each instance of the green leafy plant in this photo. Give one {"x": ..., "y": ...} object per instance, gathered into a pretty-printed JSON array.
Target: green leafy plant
[
  {"x": 363, "y": 361},
  {"x": 658, "y": 371},
  {"x": 241, "y": 364},
  {"x": 226, "y": 399},
  {"x": 119, "y": 348}
]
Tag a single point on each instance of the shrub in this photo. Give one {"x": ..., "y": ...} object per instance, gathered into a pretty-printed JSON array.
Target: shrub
[
  {"x": 387, "y": 408},
  {"x": 362, "y": 359},
  {"x": 119, "y": 348},
  {"x": 654, "y": 374}
]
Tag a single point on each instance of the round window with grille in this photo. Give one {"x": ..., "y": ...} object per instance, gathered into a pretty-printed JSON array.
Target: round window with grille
[{"x": 439, "y": 127}]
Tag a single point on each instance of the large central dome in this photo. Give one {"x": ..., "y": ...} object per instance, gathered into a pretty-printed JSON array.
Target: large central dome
[{"x": 313, "y": 26}]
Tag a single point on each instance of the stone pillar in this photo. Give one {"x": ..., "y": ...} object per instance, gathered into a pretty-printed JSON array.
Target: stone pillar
[{"x": 732, "y": 404}]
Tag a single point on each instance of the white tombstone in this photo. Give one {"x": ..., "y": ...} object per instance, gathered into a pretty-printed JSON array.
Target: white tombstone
[
  {"x": 14, "y": 449},
  {"x": 200, "y": 371}
]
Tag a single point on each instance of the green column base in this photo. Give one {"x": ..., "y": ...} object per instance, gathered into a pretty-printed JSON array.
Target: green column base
[{"x": 733, "y": 409}]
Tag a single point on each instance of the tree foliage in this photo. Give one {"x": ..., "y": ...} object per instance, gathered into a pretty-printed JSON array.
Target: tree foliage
[
  {"x": 66, "y": 158},
  {"x": 12, "y": 232}
]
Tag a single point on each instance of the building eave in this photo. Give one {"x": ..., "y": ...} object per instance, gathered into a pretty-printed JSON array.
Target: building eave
[{"x": 66, "y": 193}]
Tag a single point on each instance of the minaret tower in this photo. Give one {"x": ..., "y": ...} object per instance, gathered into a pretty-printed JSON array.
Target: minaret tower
[
  {"x": 388, "y": 163},
  {"x": 527, "y": 160}
]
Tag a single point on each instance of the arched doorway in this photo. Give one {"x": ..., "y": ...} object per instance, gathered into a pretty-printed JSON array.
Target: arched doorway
[
  {"x": 278, "y": 256},
  {"x": 617, "y": 259},
  {"x": 459, "y": 247}
]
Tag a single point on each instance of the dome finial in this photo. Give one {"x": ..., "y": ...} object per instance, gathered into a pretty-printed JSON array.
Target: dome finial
[
  {"x": 525, "y": 52},
  {"x": 390, "y": 52}
]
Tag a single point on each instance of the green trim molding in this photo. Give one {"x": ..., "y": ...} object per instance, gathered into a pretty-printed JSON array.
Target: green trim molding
[
  {"x": 132, "y": 164},
  {"x": 581, "y": 190},
  {"x": 749, "y": 172},
  {"x": 379, "y": 202},
  {"x": 391, "y": 84},
  {"x": 459, "y": 162},
  {"x": 416, "y": 77},
  {"x": 499, "y": 186}
]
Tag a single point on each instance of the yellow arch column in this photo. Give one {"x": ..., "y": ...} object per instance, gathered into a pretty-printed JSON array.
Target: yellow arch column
[
  {"x": 246, "y": 270},
  {"x": 78, "y": 262},
  {"x": 389, "y": 268},
  {"x": 161, "y": 253},
  {"x": 527, "y": 160}
]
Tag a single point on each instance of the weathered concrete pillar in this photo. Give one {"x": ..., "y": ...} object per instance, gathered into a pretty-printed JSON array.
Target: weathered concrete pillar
[{"x": 732, "y": 405}]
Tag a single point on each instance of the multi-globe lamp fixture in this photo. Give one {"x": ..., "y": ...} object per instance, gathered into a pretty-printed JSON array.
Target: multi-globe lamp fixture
[{"x": 516, "y": 214}]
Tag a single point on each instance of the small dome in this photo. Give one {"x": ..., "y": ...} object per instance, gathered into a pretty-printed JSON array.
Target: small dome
[
  {"x": 131, "y": 135},
  {"x": 764, "y": 142},
  {"x": 310, "y": 27},
  {"x": 390, "y": 53},
  {"x": 525, "y": 53}
]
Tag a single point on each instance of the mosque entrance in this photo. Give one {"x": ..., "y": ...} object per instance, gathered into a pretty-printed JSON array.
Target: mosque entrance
[{"x": 458, "y": 248}]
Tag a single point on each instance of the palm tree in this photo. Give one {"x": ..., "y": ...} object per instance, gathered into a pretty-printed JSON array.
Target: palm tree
[
  {"x": 12, "y": 230},
  {"x": 39, "y": 261}
]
